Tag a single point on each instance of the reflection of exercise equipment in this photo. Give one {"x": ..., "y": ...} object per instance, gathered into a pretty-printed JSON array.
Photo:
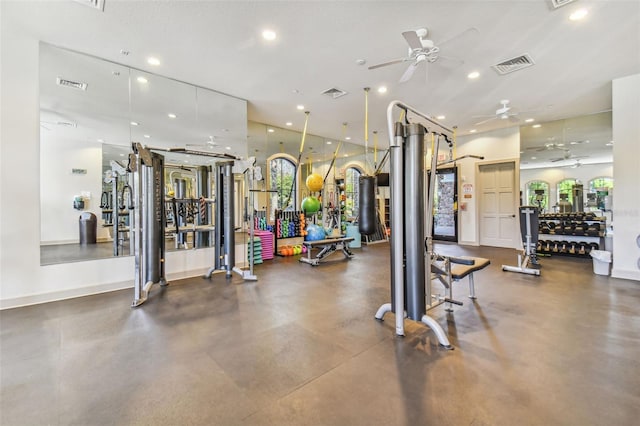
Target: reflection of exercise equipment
[
  {"x": 528, "y": 259},
  {"x": 411, "y": 226},
  {"x": 577, "y": 191},
  {"x": 539, "y": 199},
  {"x": 564, "y": 206},
  {"x": 116, "y": 217}
]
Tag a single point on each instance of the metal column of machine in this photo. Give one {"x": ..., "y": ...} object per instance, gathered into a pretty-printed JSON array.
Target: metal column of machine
[
  {"x": 406, "y": 232},
  {"x": 225, "y": 245},
  {"x": 203, "y": 239},
  {"x": 147, "y": 229}
]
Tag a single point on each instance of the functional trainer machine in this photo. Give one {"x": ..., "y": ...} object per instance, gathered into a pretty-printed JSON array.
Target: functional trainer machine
[
  {"x": 528, "y": 259},
  {"x": 411, "y": 227},
  {"x": 147, "y": 232}
]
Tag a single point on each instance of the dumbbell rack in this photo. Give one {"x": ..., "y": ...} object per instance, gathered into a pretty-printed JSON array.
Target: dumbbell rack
[{"x": 570, "y": 234}]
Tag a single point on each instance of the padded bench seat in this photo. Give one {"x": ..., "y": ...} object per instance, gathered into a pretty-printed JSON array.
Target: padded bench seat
[
  {"x": 462, "y": 267},
  {"x": 328, "y": 246}
]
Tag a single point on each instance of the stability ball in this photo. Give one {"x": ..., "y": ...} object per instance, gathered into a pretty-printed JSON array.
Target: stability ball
[
  {"x": 310, "y": 205},
  {"x": 314, "y": 233},
  {"x": 314, "y": 182}
]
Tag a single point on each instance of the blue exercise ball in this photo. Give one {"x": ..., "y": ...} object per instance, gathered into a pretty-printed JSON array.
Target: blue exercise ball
[{"x": 314, "y": 233}]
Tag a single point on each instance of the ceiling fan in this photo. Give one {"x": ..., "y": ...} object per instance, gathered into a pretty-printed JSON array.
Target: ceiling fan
[
  {"x": 568, "y": 156},
  {"x": 422, "y": 49},
  {"x": 505, "y": 112}
]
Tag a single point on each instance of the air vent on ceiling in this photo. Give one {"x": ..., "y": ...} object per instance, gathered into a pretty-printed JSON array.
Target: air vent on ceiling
[
  {"x": 334, "y": 93},
  {"x": 69, "y": 83},
  {"x": 96, "y": 4},
  {"x": 513, "y": 64},
  {"x": 559, "y": 3}
]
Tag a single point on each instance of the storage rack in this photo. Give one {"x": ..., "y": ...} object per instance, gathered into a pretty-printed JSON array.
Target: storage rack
[{"x": 570, "y": 234}]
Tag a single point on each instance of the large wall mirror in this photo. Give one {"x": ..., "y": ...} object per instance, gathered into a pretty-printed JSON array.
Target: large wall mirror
[
  {"x": 90, "y": 112},
  {"x": 556, "y": 155},
  {"x": 277, "y": 151}
]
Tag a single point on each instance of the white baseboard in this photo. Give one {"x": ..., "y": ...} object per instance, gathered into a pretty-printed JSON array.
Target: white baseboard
[
  {"x": 35, "y": 299},
  {"x": 625, "y": 274}
]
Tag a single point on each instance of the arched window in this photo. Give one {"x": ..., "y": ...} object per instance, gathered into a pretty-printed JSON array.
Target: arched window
[
  {"x": 599, "y": 188},
  {"x": 564, "y": 190},
  {"x": 537, "y": 193},
  {"x": 283, "y": 180},
  {"x": 600, "y": 184},
  {"x": 352, "y": 191}
]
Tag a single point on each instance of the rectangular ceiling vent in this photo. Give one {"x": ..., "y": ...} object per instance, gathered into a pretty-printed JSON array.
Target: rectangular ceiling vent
[
  {"x": 559, "y": 3},
  {"x": 513, "y": 64},
  {"x": 96, "y": 4},
  {"x": 69, "y": 83},
  {"x": 334, "y": 93}
]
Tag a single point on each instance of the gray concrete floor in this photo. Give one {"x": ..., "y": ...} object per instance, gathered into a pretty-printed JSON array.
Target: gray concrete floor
[{"x": 300, "y": 347}]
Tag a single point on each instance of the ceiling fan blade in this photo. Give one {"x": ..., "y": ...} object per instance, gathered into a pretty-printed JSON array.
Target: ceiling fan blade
[
  {"x": 486, "y": 121},
  {"x": 409, "y": 72},
  {"x": 555, "y": 160},
  {"x": 384, "y": 64},
  {"x": 412, "y": 39},
  {"x": 463, "y": 36}
]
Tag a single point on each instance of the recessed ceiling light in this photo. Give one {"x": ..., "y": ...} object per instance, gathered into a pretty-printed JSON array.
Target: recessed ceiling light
[
  {"x": 228, "y": 147},
  {"x": 559, "y": 144},
  {"x": 153, "y": 61},
  {"x": 121, "y": 155},
  {"x": 441, "y": 117},
  {"x": 288, "y": 123},
  {"x": 345, "y": 155},
  {"x": 536, "y": 126},
  {"x": 472, "y": 131},
  {"x": 361, "y": 61},
  {"x": 141, "y": 79},
  {"x": 186, "y": 161},
  {"x": 578, "y": 14},
  {"x": 609, "y": 143},
  {"x": 270, "y": 130},
  {"x": 473, "y": 74},
  {"x": 534, "y": 158},
  {"x": 101, "y": 140},
  {"x": 529, "y": 120},
  {"x": 382, "y": 89},
  {"x": 329, "y": 142},
  {"x": 300, "y": 107},
  {"x": 146, "y": 136},
  {"x": 348, "y": 138},
  {"x": 269, "y": 35},
  {"x": 171, "y": 115},
  {"x": 134, "y": 123}
]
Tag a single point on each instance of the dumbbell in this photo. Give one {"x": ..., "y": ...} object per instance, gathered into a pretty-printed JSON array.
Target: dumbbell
[{"x": 572, "y": 248}]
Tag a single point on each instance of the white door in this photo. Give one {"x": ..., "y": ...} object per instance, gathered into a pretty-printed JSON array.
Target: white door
[{"x": 498, "y": 223}]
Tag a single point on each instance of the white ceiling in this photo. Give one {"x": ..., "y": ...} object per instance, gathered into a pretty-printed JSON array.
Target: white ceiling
[{"x": 218, "y": 45}]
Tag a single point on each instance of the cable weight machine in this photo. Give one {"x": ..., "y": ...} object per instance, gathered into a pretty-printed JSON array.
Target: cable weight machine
[
  {"x": 146, "y": 169},
  {"x": 411, "y": 223}
]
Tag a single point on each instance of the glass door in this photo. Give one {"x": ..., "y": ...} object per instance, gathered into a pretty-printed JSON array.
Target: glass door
[{"x": 445, "y": 205}]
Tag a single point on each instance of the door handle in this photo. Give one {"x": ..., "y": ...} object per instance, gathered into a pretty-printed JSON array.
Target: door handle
[{"x": 513, "y": 215}]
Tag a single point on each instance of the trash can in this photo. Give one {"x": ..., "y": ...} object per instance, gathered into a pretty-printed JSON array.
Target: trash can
[
  {"x": 88, "y": 228},
  {"x": 352, "y": 231},
  {"x": 601, "y": 261}
]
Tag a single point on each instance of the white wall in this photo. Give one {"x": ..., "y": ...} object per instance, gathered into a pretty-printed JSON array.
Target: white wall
[
  {"x": 626, "y": 174},
  {"x": 496, "y": 146},
  {"x": 58, "y": 186}
]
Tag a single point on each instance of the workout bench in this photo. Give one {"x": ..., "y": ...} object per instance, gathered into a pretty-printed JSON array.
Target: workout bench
[
  {"x": 327, "y": 247},
  {"x": 450, "y": 269}
]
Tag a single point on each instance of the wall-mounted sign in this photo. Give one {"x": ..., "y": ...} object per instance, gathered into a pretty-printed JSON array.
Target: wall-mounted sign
[
  {"x": 78, "y": 171},
  {"x": 467, "y": 190}
]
